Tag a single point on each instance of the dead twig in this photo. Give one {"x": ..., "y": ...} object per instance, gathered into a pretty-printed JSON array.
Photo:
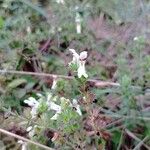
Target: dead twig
[
  {"x": 24, "y": 139},
  {"x": 136, "y": 138},
  {"x": 114, "y": 123},
  {"x": 96, "y": 83},
  {"x": 140, "y": 143},
  {"x": 126, "y": 117}
]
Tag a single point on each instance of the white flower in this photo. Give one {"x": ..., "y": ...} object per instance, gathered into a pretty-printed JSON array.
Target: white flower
[
  {"x": 78, "y": 23},
  {"x": 31, "y": 101},
  {"x": 60, "y": 1},
  {"x": 136, "y": 38},
  {"x": 55, "y": 116},
  {"x": 55, "y": 107},
  {"x": 39, "y": 94},
  {"x": 66, "y": 102},
  {"x": 55, "y": 98},
  {"x": 31, "y": 130},
  {"x": 83, "y": 56},
  {"x": 77, "y": 106},
  {"x": 54, "y": 85},
  {"x": 23, "y": 145},
  {"x": 78, "y": 27},
  {"x": 75, "y": 59},
  {"x": 84, "y": 98},
  {"x": 49, "y": 96},
  {"x": 79, "y": 60},
  {"x": 34, "y": 104},
  {"x": 28, "y": 29},
  {"x": 59, "y": 29},
  {"x": 81, "y": 70}
]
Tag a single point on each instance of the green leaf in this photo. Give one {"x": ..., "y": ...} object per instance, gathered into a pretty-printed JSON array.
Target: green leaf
[
  {"x": 125, "y": 81},
  {"x": 116, "y": 137},
  {"x": 42, "y": 107},
  {"x": 73, "y": 66},
  {"x": 19, "y": 93},
  {"x": 15, "y": 83},
  {"x": 30, "y": 85},
  {"x": 1, "y": 22},
  {"x": 34, "y": 7}
]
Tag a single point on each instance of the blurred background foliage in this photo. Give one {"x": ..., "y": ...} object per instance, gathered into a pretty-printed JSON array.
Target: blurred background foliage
[{"x": 35, "y": 36}]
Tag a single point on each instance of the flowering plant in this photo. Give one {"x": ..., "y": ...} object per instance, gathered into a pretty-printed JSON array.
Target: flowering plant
[{"x": 79, "y": 61}]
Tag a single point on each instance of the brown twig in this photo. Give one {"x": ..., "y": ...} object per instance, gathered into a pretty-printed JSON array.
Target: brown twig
[
  {"x": 45, "y": 45},
  {"x": 138, "y": 146},
  {"x": 114, "y": 123},
  {"x": 96, "y": 83},
  {"x": 136, "y": 138},
  {"x": 24, "y": 139}
]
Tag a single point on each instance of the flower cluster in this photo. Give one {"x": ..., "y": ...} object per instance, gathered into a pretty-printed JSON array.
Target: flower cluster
[
  {"x": 43, "y": 104},
  {"x": 34, "y": 104},
  {"x": 79, "y": 60}
]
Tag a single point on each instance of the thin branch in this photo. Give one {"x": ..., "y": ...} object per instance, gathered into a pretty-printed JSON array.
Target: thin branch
[
  {"x": 136, "y": 138},
  {"x": 114, "y": 123},
  {"x": 96, "y": 83},
  {"x": 127, "y": 117},
  {"x": 24, "y": 139},
  {"x": 45, "y": 45},
  {"x": 138, "y": 146}
]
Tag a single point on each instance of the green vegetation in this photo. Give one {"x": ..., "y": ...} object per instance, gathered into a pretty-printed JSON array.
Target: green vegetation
[{"x": 53, "y": 55}]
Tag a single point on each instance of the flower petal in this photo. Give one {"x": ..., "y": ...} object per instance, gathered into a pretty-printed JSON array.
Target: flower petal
[
  {"x": 77, "y": 106},
  {"x": 55, "y": 116},
  {"x": 75, "y": 58},
  {"x": 82, "y": 71},
  {"x": 29, "y": 128},
  {"x": 54, "y": 106},
  {"x": 83, "y": 55}
]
